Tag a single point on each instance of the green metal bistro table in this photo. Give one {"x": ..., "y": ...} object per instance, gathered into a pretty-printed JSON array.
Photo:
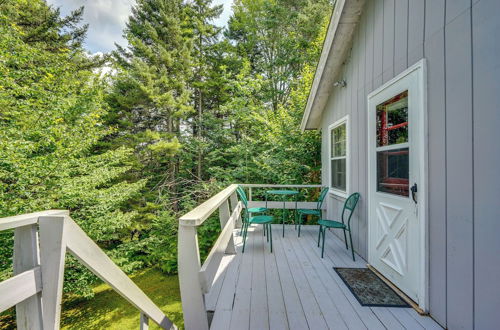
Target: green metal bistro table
[{"x": 284, "y": 194}]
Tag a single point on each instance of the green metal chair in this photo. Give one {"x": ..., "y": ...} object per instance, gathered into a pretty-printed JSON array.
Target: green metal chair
[
  {"x": 241, "y": 192},
  {"x": 350, "y": 205},
  {"x": 248, "y": 219},
  {"x": 315, "y": 212}
]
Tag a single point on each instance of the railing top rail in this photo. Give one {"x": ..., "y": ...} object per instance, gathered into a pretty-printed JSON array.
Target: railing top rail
[
  {"x": 252, "y": 185},
  {"x": 28, "y": 219},
  {"x": 198, "y": 215}
]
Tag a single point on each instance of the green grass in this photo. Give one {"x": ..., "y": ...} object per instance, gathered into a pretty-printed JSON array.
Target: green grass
[{"x": 108, "y": 310}]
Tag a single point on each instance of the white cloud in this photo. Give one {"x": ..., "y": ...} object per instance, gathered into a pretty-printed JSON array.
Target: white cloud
[{"x": 107, "y": 19}]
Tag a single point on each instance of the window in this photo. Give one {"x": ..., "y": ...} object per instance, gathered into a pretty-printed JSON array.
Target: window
[
  {"x": 339, "y": 157},
  {"x": 392, "y": 146}
]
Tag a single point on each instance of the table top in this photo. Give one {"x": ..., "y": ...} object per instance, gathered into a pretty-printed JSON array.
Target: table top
[{"x": 282, "y": 192}]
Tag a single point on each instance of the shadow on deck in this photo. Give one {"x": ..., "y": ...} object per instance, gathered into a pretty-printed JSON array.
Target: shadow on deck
[{"x": 293, "y": 288}]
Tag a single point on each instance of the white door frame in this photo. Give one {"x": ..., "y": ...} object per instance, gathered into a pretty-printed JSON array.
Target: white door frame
[{"x": 423, "y": 174}]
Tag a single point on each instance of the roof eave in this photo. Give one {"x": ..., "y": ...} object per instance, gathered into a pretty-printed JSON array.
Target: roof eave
[{"x": 345, "y": 18}]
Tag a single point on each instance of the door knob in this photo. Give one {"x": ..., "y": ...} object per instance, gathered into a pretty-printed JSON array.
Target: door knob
[{"x": 413, "y": 191}]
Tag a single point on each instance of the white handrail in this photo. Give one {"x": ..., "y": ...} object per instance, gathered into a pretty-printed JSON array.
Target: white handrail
[
  {"x": 199, "y": 214},
  {"x": 37, "y": 281},
  {"x": 20, "y": 287},
  {"x": 264, "y": 185},
  {"x": 27, "y": 219}
]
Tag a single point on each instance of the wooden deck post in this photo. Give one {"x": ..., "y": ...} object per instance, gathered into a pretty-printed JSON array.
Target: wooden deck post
[
  {"x": 52, "y": 255},
  {"x": 234, "y": 205},
  {"x": 144, "y": 322},
  {"x": 193, "y": 301},
  {"x": 29, "y": 311},
  {"x": 224, "y": 215}
]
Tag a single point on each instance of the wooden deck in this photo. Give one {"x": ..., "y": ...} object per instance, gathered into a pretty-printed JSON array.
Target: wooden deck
[{"x": 293, "y": 288}]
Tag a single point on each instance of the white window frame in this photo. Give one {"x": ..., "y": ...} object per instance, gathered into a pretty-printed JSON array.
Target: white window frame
[{"x": 334, "y": 191}]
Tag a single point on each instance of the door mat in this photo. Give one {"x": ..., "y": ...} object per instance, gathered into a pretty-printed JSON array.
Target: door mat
[{"x": 369, "y": 289}]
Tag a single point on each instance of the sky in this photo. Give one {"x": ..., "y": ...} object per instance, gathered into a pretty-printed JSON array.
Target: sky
[{"x": 107, "y": 18}]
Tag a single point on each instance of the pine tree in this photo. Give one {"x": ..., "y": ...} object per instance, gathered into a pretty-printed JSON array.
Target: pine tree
[
  {"x": 204, "y": 54},
  {"x": 151, "y": 94}
]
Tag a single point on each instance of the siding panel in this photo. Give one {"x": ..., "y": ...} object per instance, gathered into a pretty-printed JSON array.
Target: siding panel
[
  {"x": 459, "y": 172},
  {"x": 369, "y": 30},
  {"x": 360, "y": 128},
  {"x": 416, "y": 26},
  {"x": 388, "y": 50},
  {"x": 378, "y": 41},
  {"x": 435, "y": 54},
  {"x": 353, "y": 96},
  {"x": 434, "y": 50},
  {"x": 400, "y": 36},
  {"x": 486, "y": 86}
]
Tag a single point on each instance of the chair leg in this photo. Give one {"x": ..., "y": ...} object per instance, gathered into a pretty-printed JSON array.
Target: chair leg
[
  {"x": 319, "y": 235},
  {"x": 266, "y": 226},
  {"x": 245, "y": 226},
  {"x": 345, "y": 240},
  {"x": 323, "y": 245},
  {"x": 300, "y": 222},
  {"x": 264, "y": 229},
  {"x": 270, "y": 234},
  {"x": 352, "y": 247}
]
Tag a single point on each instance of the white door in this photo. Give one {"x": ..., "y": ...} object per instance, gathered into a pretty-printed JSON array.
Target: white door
[{"x": 396, "y": 174}]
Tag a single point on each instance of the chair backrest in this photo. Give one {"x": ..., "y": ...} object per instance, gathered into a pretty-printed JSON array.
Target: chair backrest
[
  {"x": 350, "y": 205},
  {"x": 243, "y": 196},
  {"x": 321, "y": 198}
]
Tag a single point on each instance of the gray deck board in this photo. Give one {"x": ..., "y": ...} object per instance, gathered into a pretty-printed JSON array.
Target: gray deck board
[{"x": 293, "y": 288}]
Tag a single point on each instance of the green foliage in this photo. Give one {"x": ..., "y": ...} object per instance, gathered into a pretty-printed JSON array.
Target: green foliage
[{"x": 50, "y": 125}]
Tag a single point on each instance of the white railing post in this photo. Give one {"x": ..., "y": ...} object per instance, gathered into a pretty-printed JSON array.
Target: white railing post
[
  {"x": 193, "y": 301},
  {"x": 234, "y": 205},
  {"x": 249, "y": 194},
  {"x": 144, "y": 322},
  {"x": 29, "y": 311},
  {"x": 224, "y": 215},
  {"x": 52, "y": 255}
]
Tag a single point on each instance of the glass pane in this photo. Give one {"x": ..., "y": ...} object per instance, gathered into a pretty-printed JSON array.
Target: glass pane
[
  {"x": 392, "y": 120},
  {"x": 393, "y": 171},
  {"x": 338, "y": 174},
  {"x": 339, "y": 141}
]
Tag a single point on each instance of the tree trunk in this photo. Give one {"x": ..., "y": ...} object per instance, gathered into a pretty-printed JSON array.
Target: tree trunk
[{"x": 200, "y": 151}]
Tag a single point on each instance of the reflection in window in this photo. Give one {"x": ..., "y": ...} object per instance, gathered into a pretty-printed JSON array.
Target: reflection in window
[
  {"x": 338, "y": 174},
  {"x": 393, "y": 171},
  {"x": 392, "y": 120}
]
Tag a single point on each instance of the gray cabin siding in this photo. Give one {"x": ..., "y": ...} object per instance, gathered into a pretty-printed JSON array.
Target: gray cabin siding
[{"x": 460, "y": 39}]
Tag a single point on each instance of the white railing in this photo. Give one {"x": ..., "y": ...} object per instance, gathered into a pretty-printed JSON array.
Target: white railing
[
  {"x": 40, "y": 243},
  {"x": 278, "y": 204},
  {"x": 195, "y": 279}
]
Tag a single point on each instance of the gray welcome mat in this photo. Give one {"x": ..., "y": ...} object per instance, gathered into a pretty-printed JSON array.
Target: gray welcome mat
[{"x": 369, "y": 289}]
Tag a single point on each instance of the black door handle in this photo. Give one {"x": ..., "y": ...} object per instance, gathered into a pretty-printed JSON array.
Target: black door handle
[{"x": 414, "y": 189}]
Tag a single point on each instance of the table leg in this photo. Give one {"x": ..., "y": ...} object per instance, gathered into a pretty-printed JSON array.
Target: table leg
[{"x": 284, "y": 208}]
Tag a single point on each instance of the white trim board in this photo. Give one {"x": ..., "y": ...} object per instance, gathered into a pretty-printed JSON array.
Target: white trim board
[{"x": 333, "y": 191}]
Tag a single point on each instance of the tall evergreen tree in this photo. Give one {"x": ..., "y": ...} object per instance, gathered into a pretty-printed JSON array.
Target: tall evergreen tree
[
  {"x": 151, "y": 94},
  {"x": 205, "y": 56}
]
